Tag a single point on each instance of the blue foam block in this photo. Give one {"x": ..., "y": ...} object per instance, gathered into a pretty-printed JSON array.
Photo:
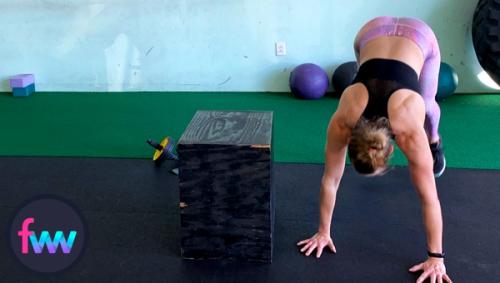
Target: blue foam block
[{"x": 23, "y": 91}]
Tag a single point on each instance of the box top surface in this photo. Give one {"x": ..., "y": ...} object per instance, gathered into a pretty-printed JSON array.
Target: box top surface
[{"x": 229, "y": 128}]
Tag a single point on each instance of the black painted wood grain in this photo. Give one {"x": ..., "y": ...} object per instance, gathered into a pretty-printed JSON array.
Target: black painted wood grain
[
  {"x": 227, "y": 192},
  {"x": 229, "y": 127}
]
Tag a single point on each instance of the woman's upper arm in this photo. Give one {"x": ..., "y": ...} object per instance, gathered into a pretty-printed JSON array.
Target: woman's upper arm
[
  {"x": 335, "y": 152},
  {"x": 339, "y": 132},
  {"x": 408, "y": 126},
  {"x": 407, "y": 115}
]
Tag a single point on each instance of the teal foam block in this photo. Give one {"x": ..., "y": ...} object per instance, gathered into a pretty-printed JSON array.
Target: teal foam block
[{"x": 23, "y": 91}]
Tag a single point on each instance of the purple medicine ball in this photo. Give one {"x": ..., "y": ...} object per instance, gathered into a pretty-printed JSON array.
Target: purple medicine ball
[{"x": 308, "y": 81}]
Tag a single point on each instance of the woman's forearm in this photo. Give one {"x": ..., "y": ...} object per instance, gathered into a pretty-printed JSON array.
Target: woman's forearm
[
  {"x": 339, "y": 131},
  {"x": 431, "y": 212},
  {"x": 328, "y": 195},
  {"x": 416, "y": 148},
  {"x": 431, "y": 208}
]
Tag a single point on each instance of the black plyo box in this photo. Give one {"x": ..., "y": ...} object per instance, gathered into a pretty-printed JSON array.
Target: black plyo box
[{"x": 226, "y": 196}]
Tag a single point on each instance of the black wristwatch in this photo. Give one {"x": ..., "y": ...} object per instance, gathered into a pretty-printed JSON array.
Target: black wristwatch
[{"x": 438, "y": 255}]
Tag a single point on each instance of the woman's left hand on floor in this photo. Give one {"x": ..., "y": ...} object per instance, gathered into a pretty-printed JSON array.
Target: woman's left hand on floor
[{"x": 432, "y": 268}]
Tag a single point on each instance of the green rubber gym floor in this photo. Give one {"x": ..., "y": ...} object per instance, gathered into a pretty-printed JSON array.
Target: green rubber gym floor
[{"x": 118, "y": 124}]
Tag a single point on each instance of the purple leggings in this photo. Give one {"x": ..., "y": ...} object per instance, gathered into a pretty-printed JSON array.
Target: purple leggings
[{"x": 423, "y": 36}]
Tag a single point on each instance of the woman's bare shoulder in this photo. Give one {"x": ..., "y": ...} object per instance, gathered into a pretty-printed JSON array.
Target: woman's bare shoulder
[
  {"x": 406, "y": 110},
  {"x": 352, "y": 104}
]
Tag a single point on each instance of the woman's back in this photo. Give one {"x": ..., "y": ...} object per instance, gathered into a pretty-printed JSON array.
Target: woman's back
[{"x": 393, "y": 47}]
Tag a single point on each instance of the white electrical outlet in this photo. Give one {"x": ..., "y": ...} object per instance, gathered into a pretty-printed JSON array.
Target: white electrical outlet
[{"x": 280, "y": 48}]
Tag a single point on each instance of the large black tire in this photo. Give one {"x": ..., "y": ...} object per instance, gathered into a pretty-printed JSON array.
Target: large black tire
[{"x": 486, "y": 36}]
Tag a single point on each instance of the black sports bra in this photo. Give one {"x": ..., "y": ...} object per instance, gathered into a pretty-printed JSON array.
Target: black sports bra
[{"x": 382, "y": 77}]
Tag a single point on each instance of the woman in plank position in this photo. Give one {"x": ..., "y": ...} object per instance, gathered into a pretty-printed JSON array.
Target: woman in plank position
[{"x": 391, "y": 98}]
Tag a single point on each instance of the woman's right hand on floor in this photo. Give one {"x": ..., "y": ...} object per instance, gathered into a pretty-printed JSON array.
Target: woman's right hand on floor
[{"x": 317, "y": 242}]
